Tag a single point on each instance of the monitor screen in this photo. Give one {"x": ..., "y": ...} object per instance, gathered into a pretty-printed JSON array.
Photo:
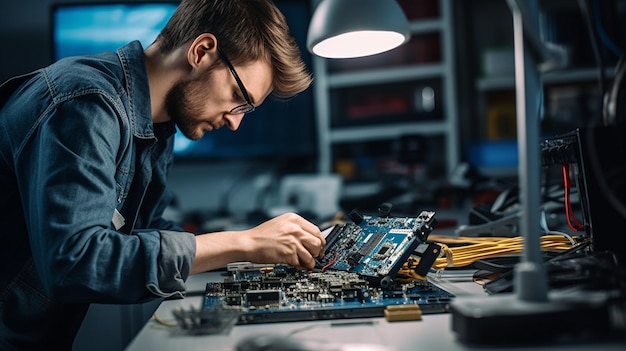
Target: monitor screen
[{"x": 277, "y": 129}]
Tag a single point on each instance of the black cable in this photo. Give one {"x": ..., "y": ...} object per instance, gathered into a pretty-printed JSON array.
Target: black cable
[
  {"x": 593, "y": 37},
  {"x": 602, "y": 34}
]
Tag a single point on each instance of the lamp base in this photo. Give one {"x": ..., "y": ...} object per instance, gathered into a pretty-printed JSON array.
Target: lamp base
[{"x": 505, "y": 319}]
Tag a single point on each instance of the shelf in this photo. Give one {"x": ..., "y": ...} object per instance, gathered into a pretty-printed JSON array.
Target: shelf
[
  {"x": 571, "y": 96},
  {"x": 388, "y": 131},
  {"x": 426, "y": 59},
  {"x": 385, "y": 75},
  {"x": 559, "y": 77},
  {"x": 426, "y": 26},
  {"x": 502, "y": 172}
]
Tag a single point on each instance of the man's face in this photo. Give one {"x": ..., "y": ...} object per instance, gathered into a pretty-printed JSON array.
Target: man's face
[{"x": 203, "y": 102}]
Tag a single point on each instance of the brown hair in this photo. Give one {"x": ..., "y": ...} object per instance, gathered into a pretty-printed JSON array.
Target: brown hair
[{"x": 247, "y": 30}]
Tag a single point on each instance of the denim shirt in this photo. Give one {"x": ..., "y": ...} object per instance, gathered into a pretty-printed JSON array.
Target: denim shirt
[{"x": 82, "y": 176}]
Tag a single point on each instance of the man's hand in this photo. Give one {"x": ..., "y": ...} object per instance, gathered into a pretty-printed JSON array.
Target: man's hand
[{"x": 288, "y": 238}]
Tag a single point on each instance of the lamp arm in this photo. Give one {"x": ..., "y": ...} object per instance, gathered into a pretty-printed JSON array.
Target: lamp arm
[
  {"x": 549, "y": 55},
  {"x": 531, "y": 282}
]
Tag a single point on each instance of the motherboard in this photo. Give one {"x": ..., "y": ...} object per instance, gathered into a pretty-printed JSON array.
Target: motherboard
[
  {"x": 375, "y": 247},
  {"x": 356, "y": 278},
  {"x": 282, "y": 294}
]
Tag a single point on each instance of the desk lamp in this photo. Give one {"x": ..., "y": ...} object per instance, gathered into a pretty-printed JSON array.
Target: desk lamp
[
  {"x": 350, "y": 28},
  {"x": 531, "y": 312}
]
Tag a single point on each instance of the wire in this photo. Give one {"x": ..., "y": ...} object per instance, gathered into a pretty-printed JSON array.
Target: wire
[
  {"x": 593, "y": 37},
  {"x": 463, "y": 251},
  {"x": 548, "y": 231},
  {"x": 163, "y": 322},
  {"x": 569, "y": 212},
  {"x": 604, "y": 37},
  {"x": 331, "y": 262},
  {"x": 565, "y": 235},
  {"x": 406, "y": 273}
]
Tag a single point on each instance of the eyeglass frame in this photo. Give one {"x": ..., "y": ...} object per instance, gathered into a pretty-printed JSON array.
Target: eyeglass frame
[{"x": 243, "y": 108}]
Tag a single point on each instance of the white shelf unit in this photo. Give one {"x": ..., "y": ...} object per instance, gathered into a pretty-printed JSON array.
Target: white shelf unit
[{"x": 325, "y": 81}]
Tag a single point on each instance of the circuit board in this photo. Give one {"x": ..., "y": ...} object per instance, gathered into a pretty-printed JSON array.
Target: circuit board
[
  {"x": 283, "y": 294},
  {"x": 375, "y": 247}
]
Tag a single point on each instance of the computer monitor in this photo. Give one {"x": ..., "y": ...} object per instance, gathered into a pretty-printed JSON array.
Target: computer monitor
[{"x": 276, "y": 130}]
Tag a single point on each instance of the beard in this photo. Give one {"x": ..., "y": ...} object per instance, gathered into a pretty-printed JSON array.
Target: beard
[{"x": 182, "y": 104}]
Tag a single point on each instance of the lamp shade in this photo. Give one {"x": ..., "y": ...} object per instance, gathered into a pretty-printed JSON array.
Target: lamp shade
[{"x": 356, "y": 28}]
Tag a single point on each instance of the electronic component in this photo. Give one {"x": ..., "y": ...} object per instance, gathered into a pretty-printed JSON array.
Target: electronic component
[
  {"x": 355, "y": 278},
  {"x": 593, "y": 155},
  {"x": 375, "y": 247},
  {"x": 283, "y": 294},
  {"x": 396, "y": 313}
]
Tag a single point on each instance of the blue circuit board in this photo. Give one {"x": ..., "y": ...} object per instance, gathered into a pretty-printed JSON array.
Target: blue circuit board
[
  {"x": 282, "y": 294},
  {"x": 375, "y": 247}
]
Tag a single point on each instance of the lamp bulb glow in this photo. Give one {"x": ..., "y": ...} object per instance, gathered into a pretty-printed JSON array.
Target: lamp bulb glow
[{"x": 358, "y": 44}]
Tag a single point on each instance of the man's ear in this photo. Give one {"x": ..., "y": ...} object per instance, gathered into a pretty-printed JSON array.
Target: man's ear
[{"x": 203, "y": 51}]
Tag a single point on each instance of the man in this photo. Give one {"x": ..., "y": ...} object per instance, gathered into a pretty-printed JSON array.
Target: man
[{"x": 85, "y": 145}]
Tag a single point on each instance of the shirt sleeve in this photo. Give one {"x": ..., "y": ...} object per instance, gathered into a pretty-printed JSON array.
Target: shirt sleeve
[{"x": 171, "y": 278}]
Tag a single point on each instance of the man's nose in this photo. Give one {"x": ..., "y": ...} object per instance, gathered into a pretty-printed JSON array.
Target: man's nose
[{"x": 234, "y": 121}]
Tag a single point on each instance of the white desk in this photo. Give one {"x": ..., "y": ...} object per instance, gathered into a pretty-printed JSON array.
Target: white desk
[{"x": 431, "y": 333}]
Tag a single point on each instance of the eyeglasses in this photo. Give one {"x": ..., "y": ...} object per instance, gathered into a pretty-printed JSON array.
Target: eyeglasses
[{"x": 248, "y": 106}]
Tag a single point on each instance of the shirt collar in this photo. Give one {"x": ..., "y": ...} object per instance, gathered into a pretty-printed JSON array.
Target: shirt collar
[{"x": 134, "y": 66}]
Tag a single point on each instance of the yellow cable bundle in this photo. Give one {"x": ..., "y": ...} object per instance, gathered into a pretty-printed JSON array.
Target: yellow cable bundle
[
  {"x": 407, "y": 274},
  {"x": 470, "y": 249},
  {"x": 463, "y": 251}
]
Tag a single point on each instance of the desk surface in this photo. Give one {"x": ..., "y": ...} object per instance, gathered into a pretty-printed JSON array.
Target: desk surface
[{"x": 433, "y": 332}]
